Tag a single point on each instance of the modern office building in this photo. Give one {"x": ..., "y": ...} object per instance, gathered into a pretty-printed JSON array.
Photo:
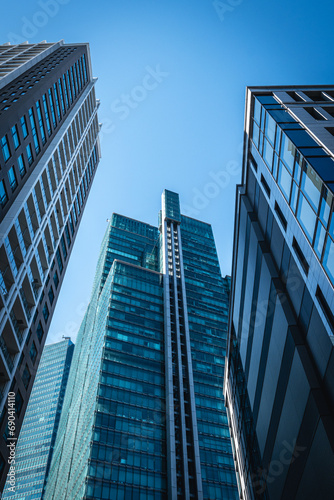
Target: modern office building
[
  {"x": 279, "y": 378},
  {"x": 143, "y": 414},
  {"x": 35, "y": 445},
  {"x": 49, "y": 152}
]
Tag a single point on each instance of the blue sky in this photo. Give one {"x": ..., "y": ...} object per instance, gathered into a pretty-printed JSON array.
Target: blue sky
[{"x": 171, "y": 80}]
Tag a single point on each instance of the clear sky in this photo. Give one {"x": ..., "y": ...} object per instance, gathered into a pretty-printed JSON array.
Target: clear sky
[{"x": 171, "y": 80}]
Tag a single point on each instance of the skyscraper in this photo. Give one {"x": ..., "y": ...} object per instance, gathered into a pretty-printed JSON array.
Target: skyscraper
[
  {"x": 34, "y": 448},
  {"x": 48, "y": 157},
  {"x": 143, "y": 413},
  {"x": 279, "y": 378}
]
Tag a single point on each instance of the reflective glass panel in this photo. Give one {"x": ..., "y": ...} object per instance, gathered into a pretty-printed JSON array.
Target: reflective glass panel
[
  {"x": 319, "y": 239},
  {"x": 268, "y": 154},
  {"x": 287, "y": 152},
  {"x": 306, "y": 216},
  {"x": 325, "y": 206},
  {"x": 328, "y": 261},
  {"x": 270, "y": 129},
  {"x": 294, "y": 197},
  {"x": 311, "y": 186},
  {"x": 284, "y": 180},
  {"x": 257, "y": 111},
  {"x": 255, "y": 135}
]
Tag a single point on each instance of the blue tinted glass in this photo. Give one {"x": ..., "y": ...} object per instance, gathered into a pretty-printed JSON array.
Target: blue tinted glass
[
  {"x": 311, "y": 186},
  {"x": 22, "y": 168},
  {"x": 328, "y": 261},
  {"x": 294, "y": 196},
  {"x": 301, "y": 138},
  {"x": 12, "y": 178},
  {"x": 306, "y": 216},
  {"x": 257, "y": 111},
  {"x": 24, "y": 127},
  {"x": 255, "y": 135},
  {"x": 319, "y": 239},
  {"x": 284, "y": 180},
  {"x": 5, "y": 148},
  {"x": 325, "y": 206},
  {"x": 268, "y": 154},
  {"x": 3, "y": 194},
  {"x": 15, "y": 137},
  {"x": 281, "y": 116},
  {"x": 287, "y": 152},
  {"x": 270, "y": 129}
]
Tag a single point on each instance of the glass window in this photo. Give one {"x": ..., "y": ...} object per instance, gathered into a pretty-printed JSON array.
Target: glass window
[
  {"x": 319, "y": 239},
  {"x": 40, "y": 122},
  {"x": 59, "y": 259},
  {"x": 294, "y": 197},
  {"x": 33, "y": 352},
  {"x": 21, "y": 165},
  {"x": 24, "y": 126},
  {"x": 57, "y": 101},
  {"x": 45, "y": 312},
  {"x": 298, "y": 167},
  {"x": 51, "y": 295},
  {"x": 18, "y": 402},
  {"x": 268, "y": 154},
  {"x": 3, "y": 194},
  {"x": 52, "y": 108},
  {"x": 270, "y": 129},
  {"x": 26, "y": 376},
  {"x": 306, "y": 216},
  {"x": 46, "y": 113},
  {"x": 65, "y": 91},
  {"x": 40, "y": 331},
  {"x": 325, "y": 206},
  {"x": 60, "y": 87},
  {"x": 328, "y": 261},
  {"x": 311, "y": 186},
  {"x": 34, "y": 132},
  {"x": 5, "y": 148},
  {"x": 287, "y": 152},
  {"x": 12, "y": 178},
  {"x": 284, "y": 180},
  {"x": 15, "y": 136},
  {"x": 255, "y": 135},
  {"x": 29, "y": 154},
  {"x": 56, "y": 279}
]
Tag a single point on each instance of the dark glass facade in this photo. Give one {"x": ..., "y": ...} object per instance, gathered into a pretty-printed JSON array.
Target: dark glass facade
[
  {"x": 49, "y": 152},
  {"x": 280, "y": 357},
  {"x": 40, "y": 425},
  {"x": 145, "y": 388}
]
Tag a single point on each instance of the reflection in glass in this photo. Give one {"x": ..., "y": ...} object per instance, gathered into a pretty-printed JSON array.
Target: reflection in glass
[
  {"x": 294, "y": 197},
  {"x": 328, "y": 261},
  {"x": 278, "y": 139},
  {"x": 284, "y": 180},
  {"x": 298, "y": 167},
  {"x": 306, "y": 216},
  {"x": 270, "y": 129},
  {"x": 325, "y": 206},
  {"x": 275, "y": 166},
  {"x": 268, "y": 154},
  {"x": 319, "y": 239},
  {"x": 311, "y": 186},
  {"x": 255, "y": 134},
  {"x": 257, "y": 111},
  {"x": 287, "y": 152}
]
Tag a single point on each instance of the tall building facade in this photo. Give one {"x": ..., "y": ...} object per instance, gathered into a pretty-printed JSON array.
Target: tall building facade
[
  {"x": 279, "y": 378},
  {"x": 143, "y": 414},
  {"x": 34, "y": 448},
  {"x": 49, "y": 151}
]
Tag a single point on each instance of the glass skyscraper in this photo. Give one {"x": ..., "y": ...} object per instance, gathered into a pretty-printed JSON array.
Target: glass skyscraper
[
  {"x": 279, "y": 377},
  {"x": 143, "y": 415},
  {"x": 49, "y": 152},
  {"x": 40, "y": 425}
]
